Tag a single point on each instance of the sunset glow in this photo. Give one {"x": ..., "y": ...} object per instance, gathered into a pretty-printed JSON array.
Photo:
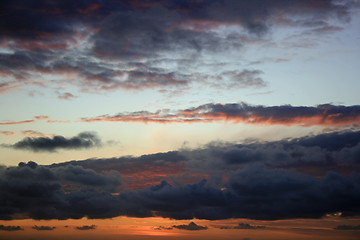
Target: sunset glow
[{"x": 180, "y": 119}]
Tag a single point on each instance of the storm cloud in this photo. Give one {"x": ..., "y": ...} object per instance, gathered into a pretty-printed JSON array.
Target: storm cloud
[{"x": 47, "y": 144}]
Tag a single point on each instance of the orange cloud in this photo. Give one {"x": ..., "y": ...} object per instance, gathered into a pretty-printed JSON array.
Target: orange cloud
[
  {"x": 19, "y": 122},
  {"x": 322, "y": 115}
]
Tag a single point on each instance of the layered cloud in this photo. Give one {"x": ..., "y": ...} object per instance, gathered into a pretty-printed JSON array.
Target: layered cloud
[
  {"x": 307, "y": 177},
  {"x": 283, "y": 194},
  {"x": 47, "y": 144},
  {"x": 108, "y": 45},
  {"x": 323, "y": 115}
]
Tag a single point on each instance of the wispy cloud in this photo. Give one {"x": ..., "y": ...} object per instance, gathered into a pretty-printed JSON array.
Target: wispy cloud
[{"x": 17, "y": 122}]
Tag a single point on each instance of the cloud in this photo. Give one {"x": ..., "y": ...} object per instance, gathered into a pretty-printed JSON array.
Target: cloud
[
  {"x": 347, "y": 227},
  {"x": 41, "y": 117},
  {"x": 66, "y": 96},
  {"x": 56, "y": 192},
  {"x": 191, "y": 227},
  {"x": 315, "y": 155},
  {"x": 41, "y": 192},
  {"x": 323, "y": 115},
  {"x": 32, "y": 133},
  {"x": 108, "y": 45},
  {"x": 163, "y": 228},
  {"x": 86, "y": 227},
  {"x": 19, "y": 122},
  {"x": 47, "y": 144},
  {"x": 10, "y": 228},
  {"x": 243, "y": 226},
  {"x": 43, "y": 228},
  {"x": 7, "y": 133},
  {"x": 245, "y": 78}
]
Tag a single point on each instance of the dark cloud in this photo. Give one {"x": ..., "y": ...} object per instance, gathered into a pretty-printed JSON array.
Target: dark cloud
[
  {"x": 307, "y": 177},
  {"x": 323, "y": 115},
  {"x": 347, "y": 227},
  {"x": 86, "y": 227},
  {"x": 41, "y": 192},
  {"x": 163, "y": 228},
  {"x": 43, "y": 37},
  {"x": 191, "y": 227},
  {"x": 36, "y": 144},
  {"x": 43, "y": 228},
  {"x": 255, "y": 192},
  {"x": 315, "y": 155},
  {"x": 10, "y": 228},
  {"x": 243, "y": 226}
]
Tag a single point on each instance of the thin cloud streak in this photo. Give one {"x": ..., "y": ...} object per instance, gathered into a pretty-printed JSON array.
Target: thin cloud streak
[{"x": 321, "y": 115}]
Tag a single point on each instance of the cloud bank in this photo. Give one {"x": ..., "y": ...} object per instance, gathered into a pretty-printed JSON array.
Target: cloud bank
[{"x": 323, "y": 115}]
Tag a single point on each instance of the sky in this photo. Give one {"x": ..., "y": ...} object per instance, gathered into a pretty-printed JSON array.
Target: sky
[{"x": 179, "y": 119}]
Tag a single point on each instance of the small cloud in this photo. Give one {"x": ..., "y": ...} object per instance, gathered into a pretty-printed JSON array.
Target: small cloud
[
  {"x": 32, "y": 133},
  {"x": 47, "y": 144},
  {"x": 66, "y": 96},
  {"x": 41, "y": 117},
  {"x": 7, "y": 133},
  {"x": 347, "y": 227},
  {"x": 86, "y": 227},
  {"x": 163, "y": 228},
  {"x": 243, "y": 226},
  {"x": 17, "y": 122},
  {"x": 43, "y": 228},
  {"x": 10, "y": 228},
  {"x": 191, "y": 227}
]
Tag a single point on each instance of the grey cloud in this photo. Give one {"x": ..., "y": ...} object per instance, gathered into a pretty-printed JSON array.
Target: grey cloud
[
  {"x": 191, "y": 227},
  {"x": 282, "y": 193},
  {"x": 43, "y": 228},
  {"x": 86, "y": 227},
  {"x": 10, "y": 228},
  {"x": 347, "y": 227},
  {"x": 47, "y": 144},
  {"x": 243, "y": 226}
]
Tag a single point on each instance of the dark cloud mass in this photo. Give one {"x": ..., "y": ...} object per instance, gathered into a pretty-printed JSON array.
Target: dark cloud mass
[
  {"x": 79, "y": 37},
  {"x": 258, "y": 180},
  {"x": 47, "y": 144}
]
